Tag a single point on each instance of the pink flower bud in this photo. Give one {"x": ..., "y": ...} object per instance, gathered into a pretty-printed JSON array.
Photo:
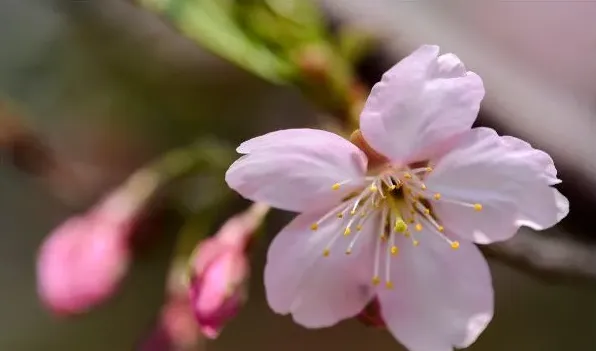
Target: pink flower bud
[
  {"x": 218, "y": 292},
  {"x": 82, "y": 263},
  {"x": 220, "y": 269}
]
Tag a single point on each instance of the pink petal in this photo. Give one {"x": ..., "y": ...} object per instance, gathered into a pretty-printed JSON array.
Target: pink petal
[
  {"x": 295, "y": 169},
  {"x": 482, "y": 169},
  {"x": 441, "y": 297},
  {"x": 539, "y": 158},
  {"x": 318, "y": 291},
  {"x": 421, "y": 102}
]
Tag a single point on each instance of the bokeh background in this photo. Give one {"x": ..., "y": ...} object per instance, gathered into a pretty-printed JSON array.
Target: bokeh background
[{"x": 109, "y": 86}]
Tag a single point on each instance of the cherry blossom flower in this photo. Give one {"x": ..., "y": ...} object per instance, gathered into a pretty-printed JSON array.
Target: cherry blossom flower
[{"x": 403, "y": 230}]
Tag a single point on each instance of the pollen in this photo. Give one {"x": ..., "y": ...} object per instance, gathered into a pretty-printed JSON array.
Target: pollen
[
  {"x": 400, "y": 226},
  {"x": 389, "y": 284},
  {"x": 347, "y": 231},
  {"x": 437, "y": 196},
  {"x": 394, "y": 250},
  {"x": 326, "y": 253},
  {"x": 376, "y": 280},
  {"x": 336, "y": 186},
  {"x": 455, "y": 245},
  {"x": 314, "y": 226},
  {"x": 418, "y": 227},
  {"x": 477, "y": 207}
]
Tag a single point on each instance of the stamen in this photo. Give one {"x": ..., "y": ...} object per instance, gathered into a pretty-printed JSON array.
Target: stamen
[
  {"x": 400, "y": 225},
  {"x": 376, "y": 279},
  {"x": 437, "y": 196},
  {"x": 478, "y": 207},
  {"x": 314, "y": 227},
  {"x": 338, "y": 185},
  {"x": 326, "y": 253}
]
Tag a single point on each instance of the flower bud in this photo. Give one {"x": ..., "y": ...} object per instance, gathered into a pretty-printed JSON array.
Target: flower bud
[
  {"x": 81, "y": 264},
  {"x": 220, "y": 269},
  {"x": 83, "y": 261}
]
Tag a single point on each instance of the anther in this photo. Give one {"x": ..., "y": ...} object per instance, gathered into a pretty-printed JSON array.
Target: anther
[
  {"x": 415, "y": 243},
  {"x": 394, "y": 250},
  {"x": 359, "y": 227},
  {"x": 389, "y": 284},
  {"x": 347, "y": 231},
  {"x": 400, "y": 226},
  {"x": 426, "y": 211},
  {"x": 348, "y": 251},
  {"x": 373, "y": 188},
  {"x": 477, "y": 207},
  {"x": 407, "y": 176},
  {"x": 441, "y": 229},
  {"x": 437, "y": 196},
  {"x": 340, "y": 215},
  {"x": 422, "y": 186},
  {"x": 455, "y": 245},
  {"x": 376, "y": 280},
  {"x": 326, "y": 253},
  {"x": 429, "y": 169},
  {"x": 314, "y": 226},
  {"x": 335, "y": 186},
  {"x": 418, "y": 227}
]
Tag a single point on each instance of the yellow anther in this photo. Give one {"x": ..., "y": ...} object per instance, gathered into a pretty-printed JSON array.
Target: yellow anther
[
  {"x": 429, "y": 169},
  {"x": 359, "y": 227},
  {"x": 340, "y": 215},
  {"x": 353, "y": 212},
  {"x": 423, "y": 187},
  {"x": 426, "y": 211},
  {"x": 373, "y": 188},
  {"x": 326, "y": 253},
  {"x": 437, "y": 196},
  {"x": 376, "y": 280},
  {"x": 400, "y": 226},
  {"x": 392, "y": 187},
  {"x": 335, "y": 186},
  {"x": 477, "y": 207},
  {"x": 418, "y": 227},
  {"x": 455, "y": 245},
  {"x": 347, "y": 231},
  {"x": 348, "y": 251},
  {"x": 314, "y": 226},
  {"x": 407, "y": 176},
  {"x": 441, "y": 228},
  {"x": 394, "y": 250},
  {"x": 407, "y": 234},
  {"x": 415, "y": 243},
  {"x": 389, "y": 284},
  {"x": 383, "y": 237},
  {"x": 411, "y": 220}
]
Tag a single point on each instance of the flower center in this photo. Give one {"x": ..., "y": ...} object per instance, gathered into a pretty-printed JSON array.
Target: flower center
[{"x": 402, "y": 204}]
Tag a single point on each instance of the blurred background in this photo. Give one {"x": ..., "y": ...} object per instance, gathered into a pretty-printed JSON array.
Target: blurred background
[{"x": 92, "y": 90}]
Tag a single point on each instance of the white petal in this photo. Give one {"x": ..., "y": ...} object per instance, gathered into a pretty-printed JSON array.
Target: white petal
[
  {"x": 512, "y": 191},
  {"x": 295, "y": 169},
  {"x": 419, "y": 104},
  {"x": 442, "y": 298},
  {"x": 318, "y": 291}
]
